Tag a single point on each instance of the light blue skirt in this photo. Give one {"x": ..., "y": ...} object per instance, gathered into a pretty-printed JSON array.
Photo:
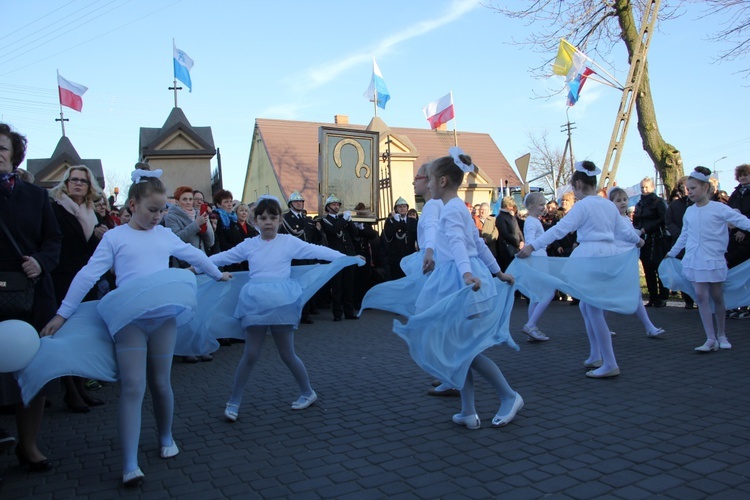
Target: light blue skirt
[
  {"x": 736, "y": 286},
  {"x": 398, "y": 296},
  {"x": 242, "y": 302},
  {"x": 453, "y": 324},
  {"x": 608, "y": 282},
  {"x": 84, "y": 346}
]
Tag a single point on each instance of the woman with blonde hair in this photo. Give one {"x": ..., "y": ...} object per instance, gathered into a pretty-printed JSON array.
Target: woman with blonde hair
[{"x": 73, "y": 204}]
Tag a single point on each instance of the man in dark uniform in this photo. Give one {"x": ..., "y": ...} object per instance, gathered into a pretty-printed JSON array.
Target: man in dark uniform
[
  {"x": 401, "y": 236},
  {"x": 298, "y": 224},
  {"x": 340, "y": 232}
]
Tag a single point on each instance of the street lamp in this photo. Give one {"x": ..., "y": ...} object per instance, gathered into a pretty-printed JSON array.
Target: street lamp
[{"x": 717, "y": 161}]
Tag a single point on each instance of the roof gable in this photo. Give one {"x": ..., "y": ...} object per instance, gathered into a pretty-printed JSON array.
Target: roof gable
[
  {"x": 292, "y": 147},
  {"x": 177, "y": 135},
  {"x": 49, "y": 171}
]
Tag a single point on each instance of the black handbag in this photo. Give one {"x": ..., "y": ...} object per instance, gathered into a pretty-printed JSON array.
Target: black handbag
[{"x": 16, "y": 289}]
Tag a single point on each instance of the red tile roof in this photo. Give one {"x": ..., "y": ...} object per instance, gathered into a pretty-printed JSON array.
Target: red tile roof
[{"x": 292, "y": 147}]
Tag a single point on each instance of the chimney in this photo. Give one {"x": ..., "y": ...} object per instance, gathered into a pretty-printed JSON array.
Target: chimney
[
  {"x": 443, "y": 126},
  {"x": 341, "y": 119}
]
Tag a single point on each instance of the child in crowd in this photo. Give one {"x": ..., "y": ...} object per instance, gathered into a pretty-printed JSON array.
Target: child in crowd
[
  {"x": 271, "y": 299},
  {"x": 704, "y": 237},
  {"x": 455, "y": 323},
  {"x": 598, "y": 225},
  {"x": 619, "y": 197},
  {"x": 536, "y": 205},
  {"x": 143, "y": 313}
]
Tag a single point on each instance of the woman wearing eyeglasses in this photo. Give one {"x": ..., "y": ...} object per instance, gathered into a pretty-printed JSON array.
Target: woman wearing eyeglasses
[{"x": 73, "y": 204}]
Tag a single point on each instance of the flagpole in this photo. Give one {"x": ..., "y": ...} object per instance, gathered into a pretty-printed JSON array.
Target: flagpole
[
  {"x": 375, "y": 101},
  {"x": 59, "y": 100},
  {"x": 619, "y": 85},
  {"x": 455, "y": 137},
  {"x": 174, "y": 83}
]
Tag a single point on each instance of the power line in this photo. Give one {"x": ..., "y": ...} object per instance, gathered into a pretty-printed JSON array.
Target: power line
[
  {"x": 35, "y": 20},
  {"x": 91, "y": 39},
  {"x": 65, "y": 29}
]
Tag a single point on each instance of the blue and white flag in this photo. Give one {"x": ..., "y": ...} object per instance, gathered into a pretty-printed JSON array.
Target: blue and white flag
[
  {"x": 377, "y": 84},
  {"x": 182, "y": 66}
]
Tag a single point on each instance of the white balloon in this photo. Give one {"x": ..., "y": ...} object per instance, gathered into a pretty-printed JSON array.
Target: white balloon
[{"x": 19, "y": 343}]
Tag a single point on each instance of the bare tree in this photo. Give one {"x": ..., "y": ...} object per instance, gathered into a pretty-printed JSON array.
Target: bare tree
[
  {"x": 546, "y": 159},
  {"x": 596, "y": 26},
  {"x": 735, "y": 31}
]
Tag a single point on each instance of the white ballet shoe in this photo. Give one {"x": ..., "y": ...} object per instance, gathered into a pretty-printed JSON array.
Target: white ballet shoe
[
  {"x": 132, "y": 479},
  {"x": 724, "y": 343},
  {"x": 502, "y": 419},
  {"x": 470, "y": 421},
  {"x": 231, "y": 412},
  {"x": 304, "y": 401},
  {"x": 655, "y": 332},
  {"x": 593, "y": 364},
  {"x": 169, "y": 451},
  {"x": 535, "y": 335},
  {"x": 709, "y": 346},
  {"x": 612, "y": 373}
]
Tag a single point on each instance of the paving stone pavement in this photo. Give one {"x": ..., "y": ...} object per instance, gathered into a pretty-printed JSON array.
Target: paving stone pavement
[{"x": 673, "y": 424}]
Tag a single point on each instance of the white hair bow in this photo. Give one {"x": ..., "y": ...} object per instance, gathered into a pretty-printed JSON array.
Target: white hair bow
[
  {"x": 456, "y": 153},
  {"x": 591, "y": 173},
  {"x": 697, "y": 175},
  {"x": 269, "y": 197},
  {"x": 138, "y": 175}
]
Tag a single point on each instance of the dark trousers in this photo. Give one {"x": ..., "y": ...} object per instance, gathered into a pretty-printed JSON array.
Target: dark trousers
[
  {"x": 342, "y": 292},
  {"x": 655, "y": 287}
]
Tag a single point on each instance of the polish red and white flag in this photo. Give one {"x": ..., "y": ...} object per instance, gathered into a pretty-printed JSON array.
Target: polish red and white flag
[
  {"x": 71, "y": 93},
  {"x": 440, "y": 111}
]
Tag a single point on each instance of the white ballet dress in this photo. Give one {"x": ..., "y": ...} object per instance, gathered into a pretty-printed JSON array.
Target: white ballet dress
[
  {"x": 272, "y": 295},
  {"x": 600, "y": 271}
]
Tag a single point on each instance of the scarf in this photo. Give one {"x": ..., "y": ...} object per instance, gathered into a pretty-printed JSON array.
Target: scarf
[
  {"x": 190, "y": 213},
  {"x": 226, "y": 217},
  {"x": 8, "y": 182},
  {"x": 84, "y": 214}
]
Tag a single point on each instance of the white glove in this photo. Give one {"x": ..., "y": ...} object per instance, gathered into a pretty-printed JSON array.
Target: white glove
[{"x": 347, "y": 215}]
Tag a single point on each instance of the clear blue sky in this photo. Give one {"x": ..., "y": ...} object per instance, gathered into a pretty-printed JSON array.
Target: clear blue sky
[{"x": 302, "y": 60}]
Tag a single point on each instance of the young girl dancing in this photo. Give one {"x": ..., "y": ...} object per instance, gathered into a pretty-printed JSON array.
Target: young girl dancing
[
  {"x": 271, "y": 299},
  {"x": 455, "y": 323},
  {"x": 598, "y": 224},
  {"x": 705, "y": 237},
  {"x": 619, "y": 197},
  {"x": 536, "y": 204},
  {"x": 399, "y": 296},
  {"x": 143, "y": 313}
]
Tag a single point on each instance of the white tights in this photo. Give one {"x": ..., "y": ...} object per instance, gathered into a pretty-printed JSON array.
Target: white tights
[
  {"x": 144, "y": 355},
  {"x": 283, "y": 335},
  {"x": 536, "y": 309},
  {"x": 487, "y": 368},
  {"x": 714, "y": 292},
  {"x": 600, "y": 338}
]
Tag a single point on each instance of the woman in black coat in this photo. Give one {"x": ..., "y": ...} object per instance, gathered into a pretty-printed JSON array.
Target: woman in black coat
[
  {"x": 650, "y": 218},
  {"x": 236, "y": 233},
  {"x": 27, "y": 213},
  {"x": 510, "y": 238},
  {"x": 73, "y": 203}
]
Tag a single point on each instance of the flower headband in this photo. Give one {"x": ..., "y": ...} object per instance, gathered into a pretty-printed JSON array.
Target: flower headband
[
  {"x": 591, "y": 173},
  {"x": 268, "y": 197},
  {"x": 697, "y": 175},
  {"x": 138, "y": 175},
  {"x": 455, "y": 153}
]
